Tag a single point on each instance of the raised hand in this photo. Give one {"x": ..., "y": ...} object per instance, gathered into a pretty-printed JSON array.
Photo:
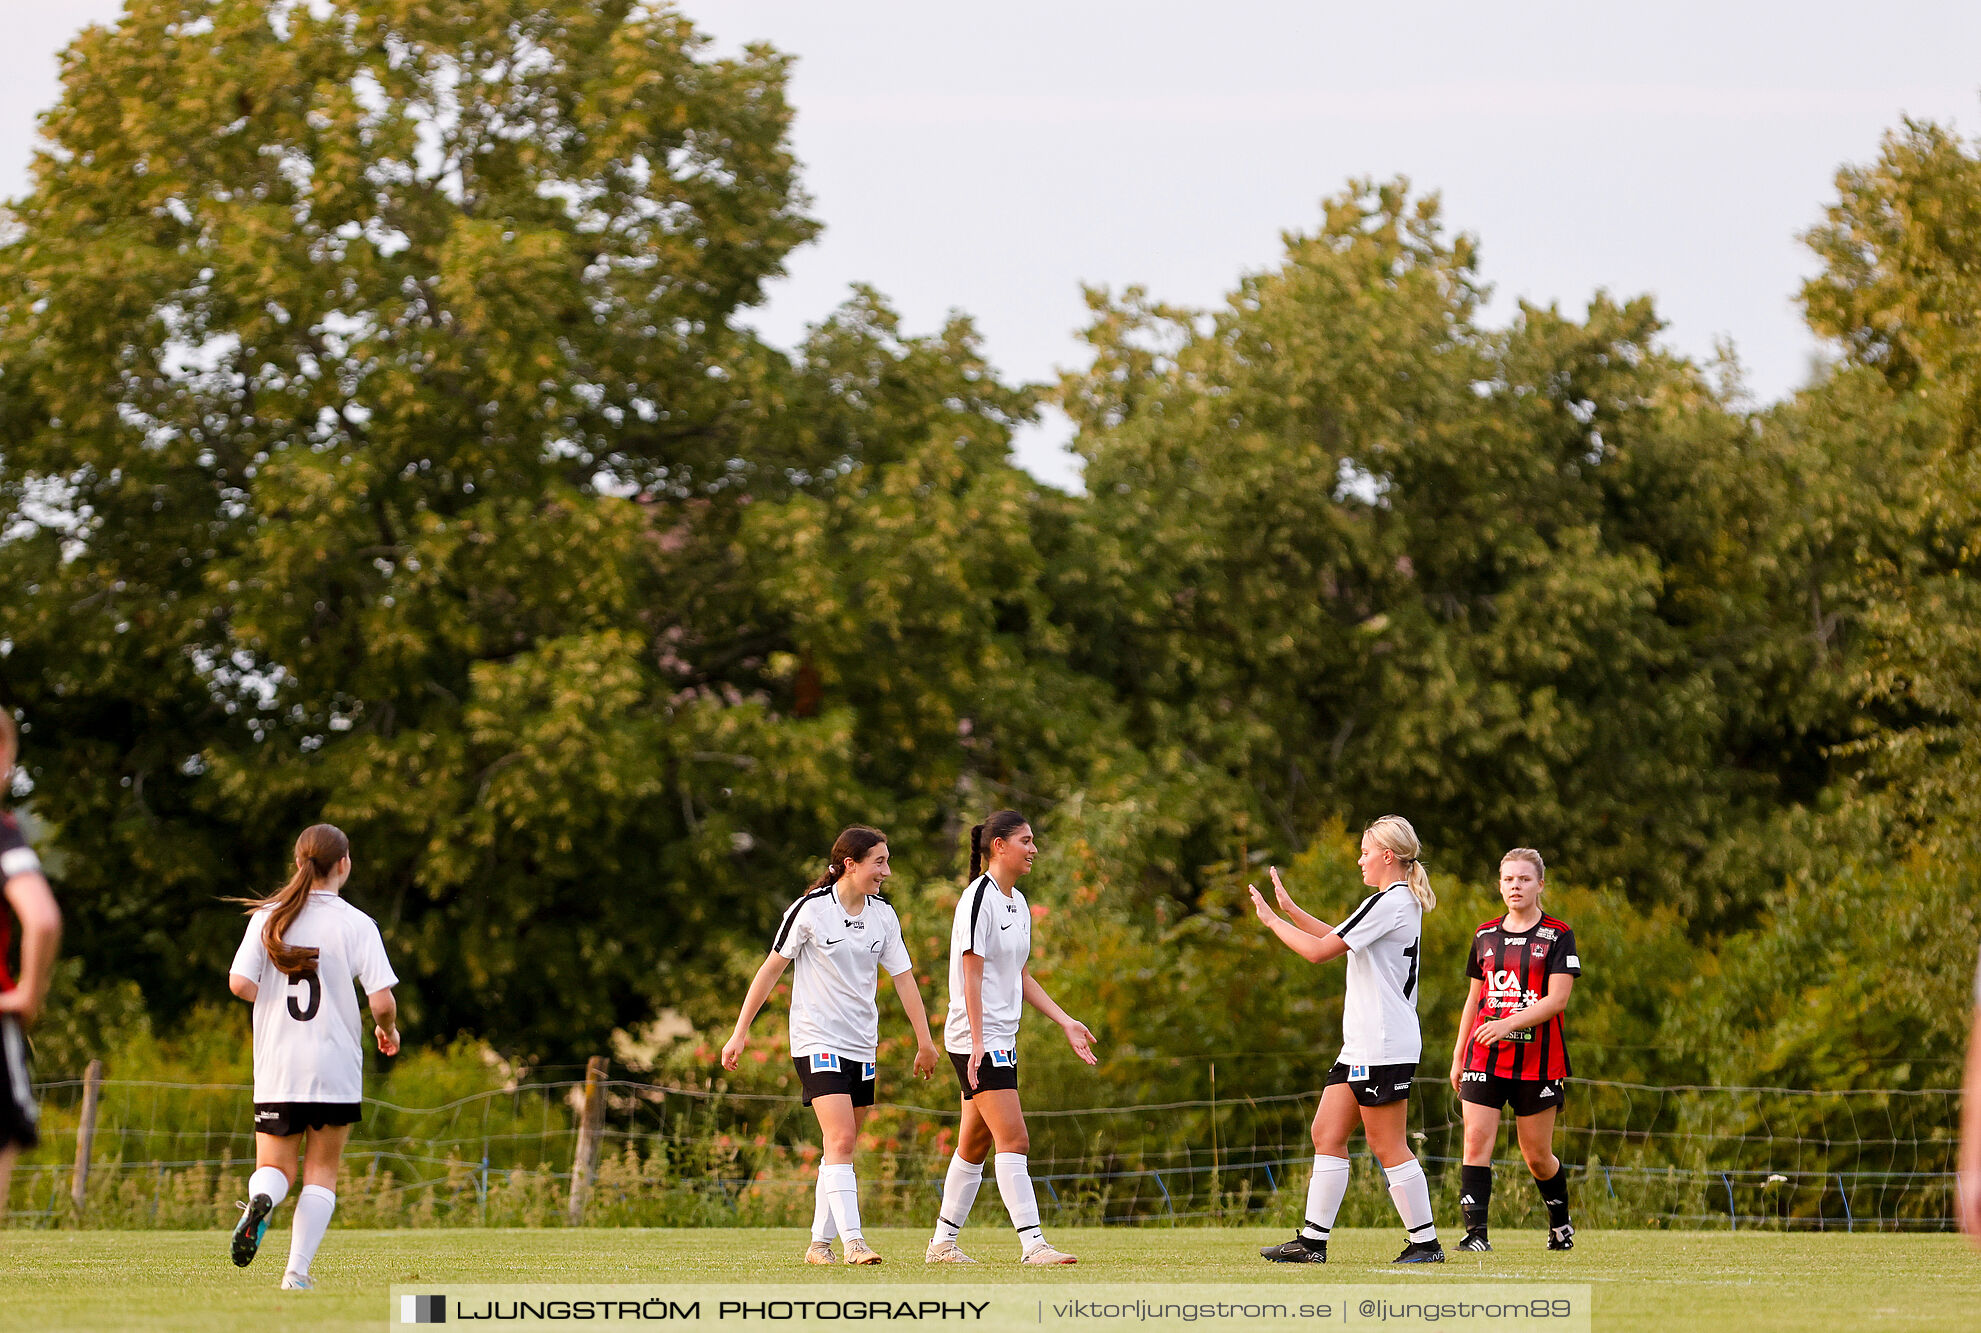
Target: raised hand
[
  {"x": 1279, "y": 892},
  {"x": 1260, "y": 906}
]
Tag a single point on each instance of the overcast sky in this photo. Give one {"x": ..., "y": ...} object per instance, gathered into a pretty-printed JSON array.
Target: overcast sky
[{"x": 994, "y": 159}]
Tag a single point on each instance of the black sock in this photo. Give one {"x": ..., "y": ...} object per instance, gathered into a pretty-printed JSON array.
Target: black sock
[
  {"x": 1475, "y": 1195},
  {"x": 1554, "y": 1193}
]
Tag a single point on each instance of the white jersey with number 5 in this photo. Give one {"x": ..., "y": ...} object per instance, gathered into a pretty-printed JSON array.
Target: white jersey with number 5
[
  {"x": 996, "y": 926},
  {"x": 307, "y": 1036},
  {"x": 1379, "y": 1015}
]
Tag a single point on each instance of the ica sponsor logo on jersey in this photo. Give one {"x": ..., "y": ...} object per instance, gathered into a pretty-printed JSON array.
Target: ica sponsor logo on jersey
[{"x": 1504, "y": 987}]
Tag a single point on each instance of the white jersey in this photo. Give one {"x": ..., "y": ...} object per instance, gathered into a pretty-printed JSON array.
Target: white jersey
[
  {"x": 838, "y": 957},
  {"x": 996, "y": 926},
  {"x": 1379, "y": 1015},
  {"x": 306, "y": 1026}
]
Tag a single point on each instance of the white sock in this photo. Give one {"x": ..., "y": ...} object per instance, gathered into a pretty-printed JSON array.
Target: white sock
[
  {"x": 1324, "y": 1192},
  {"x": 842, "y": 1191},
  {"x": 959, "y": 1191},
  {"x": 1412, "y": 1194},
  {"x": 313, "y": 1209},
  {"x": 823, "y": 1227},
  {"x": 268, "y": 1180},
  {"x": 1014, "y": 1182}
]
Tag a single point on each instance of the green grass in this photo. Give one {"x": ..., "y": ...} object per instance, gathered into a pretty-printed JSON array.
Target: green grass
[{"x": 1655, "y": 1281}]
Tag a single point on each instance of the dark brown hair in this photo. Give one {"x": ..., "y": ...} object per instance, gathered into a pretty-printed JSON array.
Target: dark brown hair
[
  {"x": 318, "y": 851},
  {"x": 856, "y": 842},
  {"x": 10, "y": 744},
  {"x": 1003, "y": 824}
]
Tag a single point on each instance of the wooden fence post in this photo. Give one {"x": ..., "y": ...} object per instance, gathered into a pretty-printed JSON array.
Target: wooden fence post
[
  {"x": 86, "y": 1131},
  {"x": 584, "y": 1166}
]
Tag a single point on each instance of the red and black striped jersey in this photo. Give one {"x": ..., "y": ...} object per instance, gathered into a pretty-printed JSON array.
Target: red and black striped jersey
[
  {"x": 16, "y": 858},
  {"x": 1515, "y": 967}
]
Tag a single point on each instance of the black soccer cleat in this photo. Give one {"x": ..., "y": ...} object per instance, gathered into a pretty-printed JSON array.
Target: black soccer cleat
[
  {"x": 1561, "y": 1237},
  {"x": 1475, "y": 1241},
  {"x": 1421, "y": 1252},
  {"x": 251, "y": 1228},
  {"x": 1299, "y": 1250}
]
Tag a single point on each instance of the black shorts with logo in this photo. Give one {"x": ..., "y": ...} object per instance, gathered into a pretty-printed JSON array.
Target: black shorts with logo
[
  {"x": 997, "y": 1070},
  {"x": 283, "y": 1119},
  {"x": 20, "y": 1112},
  {"x": 1527, "y": 1096},
  {"x": 1375, "y": 1085},
  {"x": 828, "y": 1075}
]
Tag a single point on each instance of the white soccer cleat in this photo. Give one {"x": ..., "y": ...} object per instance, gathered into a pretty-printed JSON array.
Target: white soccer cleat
[
  {"x": 820, "y": 1252},
  {"x": 1044, "y": 1253},
  {"x": 946, "y": 1252},
  {"x": 297, "y": 1282},
  {"x": 859, "y": 1252}
]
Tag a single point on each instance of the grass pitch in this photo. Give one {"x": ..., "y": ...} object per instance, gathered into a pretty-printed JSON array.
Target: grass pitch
[{"x": 1653, "y": 1281}]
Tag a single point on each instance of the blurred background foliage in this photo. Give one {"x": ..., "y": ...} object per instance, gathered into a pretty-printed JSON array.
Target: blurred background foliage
[{"x": 381, "y": 440}]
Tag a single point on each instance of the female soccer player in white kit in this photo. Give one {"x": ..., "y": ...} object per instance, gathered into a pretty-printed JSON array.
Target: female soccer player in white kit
[
  {"x": 304, "y": 947},
  {"x": 841, "y": 933},
  {"x": 989, "y": 985},
  {"x": 1380, "y": 1042}
]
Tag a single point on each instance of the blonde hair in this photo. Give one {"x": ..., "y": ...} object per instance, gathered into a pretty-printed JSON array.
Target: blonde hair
[
  {"x": 1393, "y": 834},
  {"x": 1531, "y": 856}
]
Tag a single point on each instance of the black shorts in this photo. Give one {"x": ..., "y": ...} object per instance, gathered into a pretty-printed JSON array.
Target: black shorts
[
  {"x": 998, "y": 1070},
  {"x": 1527, "y": 1096},
  {"x": 1374, "y": 1085},
  {"x": 826, "y": 1075},
  {"x": 283, "y": 1119},
  {"x": 20, "y": 1112}
]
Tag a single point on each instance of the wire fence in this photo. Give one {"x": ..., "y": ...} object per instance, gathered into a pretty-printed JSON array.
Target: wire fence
[{"x": 178, "y": 1155}]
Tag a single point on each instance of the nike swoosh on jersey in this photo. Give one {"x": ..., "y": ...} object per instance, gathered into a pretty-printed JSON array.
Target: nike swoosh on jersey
[{"x": 830, "y": 942}]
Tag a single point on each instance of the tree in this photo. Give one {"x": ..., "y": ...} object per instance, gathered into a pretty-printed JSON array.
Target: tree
[
  {"x": 1900, "y": 292},
  {"x": 335, "y": 340},
  {"x": 1361, "y": 554}
]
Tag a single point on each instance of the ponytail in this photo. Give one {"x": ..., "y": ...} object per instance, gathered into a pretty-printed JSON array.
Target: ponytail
[
  {"x": 855, "y": 842},
  {"x": 1394, "y": 834},
  {"x": 318, "y": 851},
  {"x": 1002, "y": 824},
  {"x": 1420, "y": 885}
]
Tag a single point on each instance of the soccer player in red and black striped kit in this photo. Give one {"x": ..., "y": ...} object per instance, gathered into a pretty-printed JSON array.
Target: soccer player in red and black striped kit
[
  {"x": 1523, "y": 964},
  {"x": 28, "y": 901}
]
